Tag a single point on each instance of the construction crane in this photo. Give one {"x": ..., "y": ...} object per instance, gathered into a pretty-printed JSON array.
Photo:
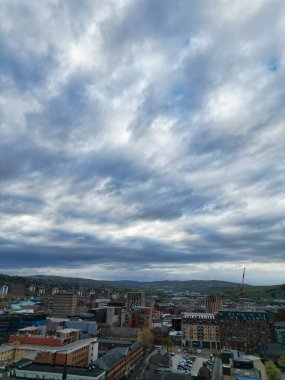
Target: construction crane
[{"x": 242, "y": 290}]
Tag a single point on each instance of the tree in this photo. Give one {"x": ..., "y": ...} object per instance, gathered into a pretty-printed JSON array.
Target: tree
[
  {"x": 167, "y": 342},
  {"x": 281, "y": 362},
  {"x": 272, "y": 371},
  {"x": 146, "y": 337}
]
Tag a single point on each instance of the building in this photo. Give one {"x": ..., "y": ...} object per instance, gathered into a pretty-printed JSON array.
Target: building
[
  {"x": 159, "y": 334},
  {"x": 200, "y": 330},
  {"x": 122, "y": 333},
  {"x": 244, "y": 330},
  {"x": 213, "y": 304},
  {"x": 156, "y": 322},
  {"x": 26, "y": 369},
  {"x": 238, "y": 366},
  {"x": 88, "y": 329},
  {"x": 120, "y": 361},
  {"x": 32, "y": 289},
  {"x": 279, "y": 328},
  {"x": 135, "y": 299},
  {"x": 176, "y": 323},
  {"x": 4, "y": 290},
  {"x": 99, "y": 314},
  {"x": 80, "y": 353},
  {"x": 176, "y": 337},
  {"x": 107, "y": 344},
  {"x": 139, "y": 317},
  {"x": 275, "y": 314},
  {"x": 11, "y": 323},
  {"x": 64, "y": 304}
]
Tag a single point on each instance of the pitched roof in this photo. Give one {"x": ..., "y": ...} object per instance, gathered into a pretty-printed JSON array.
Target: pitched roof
[
  {"x": 111, "y": 358},
  {"x": 135, "y": 346}
]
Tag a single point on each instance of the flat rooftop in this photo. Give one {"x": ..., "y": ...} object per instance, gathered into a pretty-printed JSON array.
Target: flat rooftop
[
  {"x": 199, "y": 315},
  {"x": 79, "y": 371},
  {"x": 246, "y": 374},
  {"x": 67, "y": 348}
]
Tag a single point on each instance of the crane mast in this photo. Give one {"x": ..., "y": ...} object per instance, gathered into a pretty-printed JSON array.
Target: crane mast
[{"x": 242, "y": 290}]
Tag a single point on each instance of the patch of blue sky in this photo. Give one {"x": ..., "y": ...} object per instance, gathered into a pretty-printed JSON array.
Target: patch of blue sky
[
  {"x": 272, "y": 64},
  {"x": 178, "y": 91}
]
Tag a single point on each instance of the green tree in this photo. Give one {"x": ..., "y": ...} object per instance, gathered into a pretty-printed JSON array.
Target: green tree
[
  {"x": 281, "y": 362},
  {"x": 167, "y": 342},
  {"x": 146, "y": 337},
  {"x": 272, "y": 371}
]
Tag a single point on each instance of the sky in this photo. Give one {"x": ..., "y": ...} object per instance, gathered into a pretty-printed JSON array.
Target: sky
[{"x": 142, "y": 139}]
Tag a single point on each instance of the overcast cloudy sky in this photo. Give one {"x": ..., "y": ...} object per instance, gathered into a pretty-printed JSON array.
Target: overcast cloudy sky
[{"x": 143, "y": 139}]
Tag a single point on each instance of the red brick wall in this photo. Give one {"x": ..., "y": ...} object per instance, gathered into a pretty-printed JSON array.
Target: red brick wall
[
  {"x": 36, "y": 340},
  {"x": 78, "y": 358}
]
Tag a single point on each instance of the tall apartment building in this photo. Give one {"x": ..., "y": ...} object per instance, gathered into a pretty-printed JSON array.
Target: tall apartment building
[
  {"x": 64, "y": 304},
  {"x": 4, "y": 290},
  {"x": 213, "y": 304},
  {"x": 200, "y": 330},
  {"x": 135, "y": 299},
  {"x": 244, "y": 330}
]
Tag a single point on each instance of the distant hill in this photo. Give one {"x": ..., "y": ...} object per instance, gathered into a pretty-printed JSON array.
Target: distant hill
[
  {"x": 163, "y": 284},
  {"x": 190, "y": 285},
  {"x": 224, "y": 288}
]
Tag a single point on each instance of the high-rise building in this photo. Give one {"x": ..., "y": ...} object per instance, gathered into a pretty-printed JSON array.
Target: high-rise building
[
  {"x": 4, "y": 290},
  {"x": 135, "y": 299},
  {"x": 245, "y": 331},
  {"x": 64, "y": 304},
  {"x": 200, "y": 330},
  {"x": 213, "y": 304}
]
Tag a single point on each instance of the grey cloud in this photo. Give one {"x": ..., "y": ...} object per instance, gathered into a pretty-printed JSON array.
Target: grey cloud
[
  {"x": 89, "y": 153},
  {"x": 13, "y": 204}
]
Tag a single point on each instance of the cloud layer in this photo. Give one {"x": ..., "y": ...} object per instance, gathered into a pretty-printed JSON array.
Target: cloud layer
[{"x": 143, "y": 139}]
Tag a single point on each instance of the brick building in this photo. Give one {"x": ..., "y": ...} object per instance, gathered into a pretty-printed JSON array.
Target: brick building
[
  {"x": 122, "y": 333},
  {"x": 139, "y": 317},
  {"x": 279, "y": 329},
  {"x": 135, "y": 299},
  {"x": 159, "y": 334},
  {"x": 213, "y": 304},
  {"x": 244, "y": 330},
  {"x": 80, "y": 353}
]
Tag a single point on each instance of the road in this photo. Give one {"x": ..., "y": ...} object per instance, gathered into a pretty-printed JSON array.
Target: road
[{"x": 217, "y": 370}]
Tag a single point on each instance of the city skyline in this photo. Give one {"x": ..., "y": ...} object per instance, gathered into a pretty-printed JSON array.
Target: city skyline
[{"x": 143, "y": 140}]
